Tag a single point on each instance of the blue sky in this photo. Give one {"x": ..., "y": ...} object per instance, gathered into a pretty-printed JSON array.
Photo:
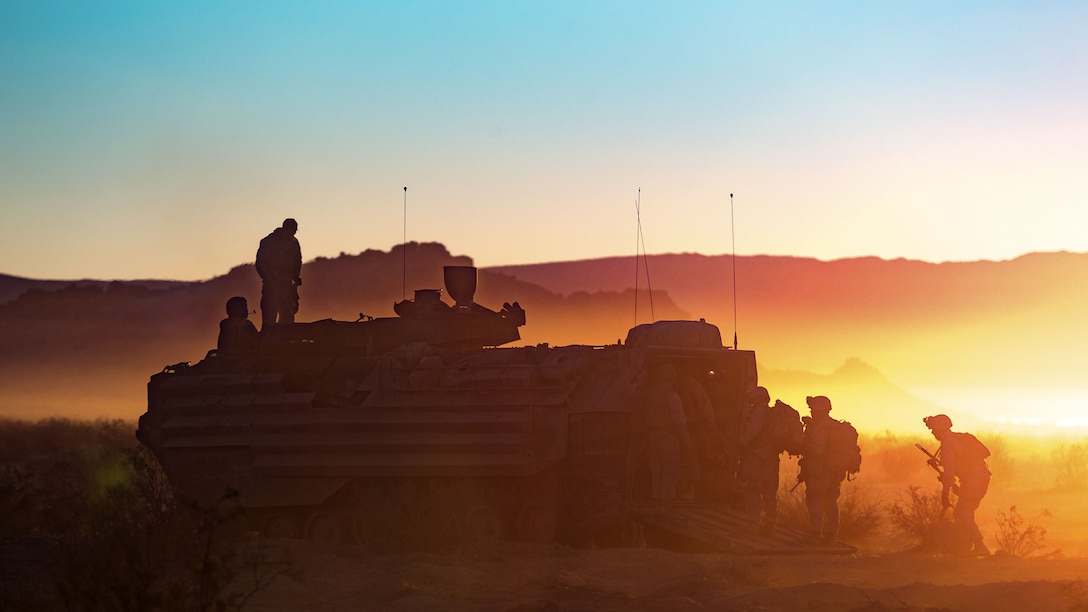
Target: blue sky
[{"x": 149, "y": 139}]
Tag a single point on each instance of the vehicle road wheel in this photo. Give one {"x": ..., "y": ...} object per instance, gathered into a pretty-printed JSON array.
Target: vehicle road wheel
[
  {"x": 481, "y": 523},
  {"x": 323, "y": 528},
  {"x": 281, "y": 525},
  {"x": 538, "y": 522}
]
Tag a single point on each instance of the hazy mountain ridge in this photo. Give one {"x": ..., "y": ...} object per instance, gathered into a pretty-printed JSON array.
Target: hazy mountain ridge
[
  {"x": 88, "y": 348},
  {"x": 860, "y": 393},
  {"x": 12, "y": 287},
  {"x": 1019, "y": 320},
  {"x": 870, "y": 282}
]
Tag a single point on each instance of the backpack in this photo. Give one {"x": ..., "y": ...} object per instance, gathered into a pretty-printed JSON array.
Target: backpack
[
  {"x": 972, "y": 448},
  {"x": 843, "y": 452},
  {"x": 786, "y": 429}
]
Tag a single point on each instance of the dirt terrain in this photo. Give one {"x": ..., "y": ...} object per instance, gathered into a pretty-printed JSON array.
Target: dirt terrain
[{"x": 512, "y": 576}]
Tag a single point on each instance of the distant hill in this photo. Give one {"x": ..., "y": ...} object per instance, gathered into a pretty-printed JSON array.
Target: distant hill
[
  {"x": 12, "y": 287},
  {"x": 869, "y": 332},
  {"x": 859, "y": 393},
  {"x": 1016, "y": 323},
  {"x": 88, "y": 348}
]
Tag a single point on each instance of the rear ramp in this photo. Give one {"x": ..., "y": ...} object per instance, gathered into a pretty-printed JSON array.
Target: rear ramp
[{"x": 723, "y": 529}]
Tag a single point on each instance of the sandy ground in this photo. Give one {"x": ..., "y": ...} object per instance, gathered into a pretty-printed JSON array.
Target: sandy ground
[{"x": 515, "y": 576}]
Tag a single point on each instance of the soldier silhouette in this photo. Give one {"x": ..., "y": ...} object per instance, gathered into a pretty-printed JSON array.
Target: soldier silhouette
[
  {"x": 237, "y": 335},
  {"x": 759, "y": 462},
  {"x": 962, "y": 458},
  {"x": 822, "y": 477},
  {"x": 279, "y": 264}
]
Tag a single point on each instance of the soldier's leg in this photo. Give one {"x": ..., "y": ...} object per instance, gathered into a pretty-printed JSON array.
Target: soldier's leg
[
  {"x": 750, "y": 491},
  {"x": 769, "y": 509},
  {"x": 815, "y": 508},
  {"x": 831, "y": 512},
  {"x": 970, "y": 496},
  {"x": 770, "y": 496},
  {"x": 287, "y": 315},
  {"x": 768, "y": 493},
  {"x": 283, "y": 304},
  {"x": 268, "y": 308}
]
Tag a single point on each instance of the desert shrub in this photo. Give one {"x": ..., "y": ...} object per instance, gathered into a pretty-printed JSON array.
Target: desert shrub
[
  {"x": 1018, "y": 537},
  {"x": 859, "y": 508},
  {"x": 1071, "y": 461},
  {"x": 140, "y": 550},
  {"x": 90, "y": 520},
  {"x": 914, "y": 512},
  {"x": 745, "y": 570}
]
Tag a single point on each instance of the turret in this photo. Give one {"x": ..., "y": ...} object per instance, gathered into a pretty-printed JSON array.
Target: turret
[{"x": 425, "y": 318}]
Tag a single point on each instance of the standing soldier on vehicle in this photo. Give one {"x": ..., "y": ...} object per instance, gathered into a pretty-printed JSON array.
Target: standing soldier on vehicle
[
  {"x": 279, "y": 263},
  {"x": 829, "y": 452},
  {"x": 758, "y": 474},
  {"x": 962, "y": 458}
]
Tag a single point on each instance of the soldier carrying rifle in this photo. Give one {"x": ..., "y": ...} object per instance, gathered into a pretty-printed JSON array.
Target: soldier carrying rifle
[{"x": 960, "y": 463}]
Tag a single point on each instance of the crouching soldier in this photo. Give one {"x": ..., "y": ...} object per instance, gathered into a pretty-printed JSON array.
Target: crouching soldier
[{"x": 962, "y": 462}]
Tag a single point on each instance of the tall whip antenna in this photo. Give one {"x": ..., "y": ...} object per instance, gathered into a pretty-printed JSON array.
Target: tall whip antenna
[
  {"x": 404, "y": 250},
  {"x": 733, "y": 231},
  {"x": 640, "y": 240}
]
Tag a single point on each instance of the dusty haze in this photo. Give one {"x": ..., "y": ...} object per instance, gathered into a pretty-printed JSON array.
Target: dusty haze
[{"x": 888, "y": 341}]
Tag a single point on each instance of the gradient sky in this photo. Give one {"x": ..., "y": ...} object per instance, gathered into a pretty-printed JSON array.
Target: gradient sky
[{"x": 164, "y": 139}]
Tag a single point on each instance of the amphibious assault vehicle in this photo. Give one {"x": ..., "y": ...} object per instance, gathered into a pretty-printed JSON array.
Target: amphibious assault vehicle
[{"x": 411, "y": 430}]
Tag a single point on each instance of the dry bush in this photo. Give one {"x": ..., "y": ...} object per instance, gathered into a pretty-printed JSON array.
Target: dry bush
[
  {"x": 1071, "y": 462},
  {"x": 1021, "y": 538},
  {"x": 745, "y": 570},
  {"x": 914, "y": 513},
  {"x": 859, "y": 508},
  {"x": 105, "y": 533}
]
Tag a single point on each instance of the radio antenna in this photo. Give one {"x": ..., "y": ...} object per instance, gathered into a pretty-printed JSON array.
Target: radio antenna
[
  {"x": 404, "y": 250},
  {"x": 733, "y": 231},
  {"x": 639, "y": 239}
]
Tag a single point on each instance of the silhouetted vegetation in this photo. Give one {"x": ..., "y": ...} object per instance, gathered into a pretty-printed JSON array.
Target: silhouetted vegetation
[
  {"x": 860, "y": 509},
  {"x": 1020, "y": 538},
  {"x": 87, "y": 522},
  {"x": 1072, "y": 466},
  {"x": 914, "y": 512}
]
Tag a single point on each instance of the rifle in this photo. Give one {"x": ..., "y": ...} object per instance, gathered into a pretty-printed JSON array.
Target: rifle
[
  {"x": 933, "y": 461},
  {"x": 802, "y": 473}
]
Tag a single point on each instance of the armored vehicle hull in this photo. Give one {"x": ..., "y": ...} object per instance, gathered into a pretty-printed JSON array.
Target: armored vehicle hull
[{"x": 417, "y": 430}]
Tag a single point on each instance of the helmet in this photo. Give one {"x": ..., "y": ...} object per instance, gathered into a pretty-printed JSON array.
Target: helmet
[
  {"x": 818, "y": 402},
  {"x": 237, "y": 305},
  {"x": 938, "y": 422},
  {"x": 759, "y": 395}
]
